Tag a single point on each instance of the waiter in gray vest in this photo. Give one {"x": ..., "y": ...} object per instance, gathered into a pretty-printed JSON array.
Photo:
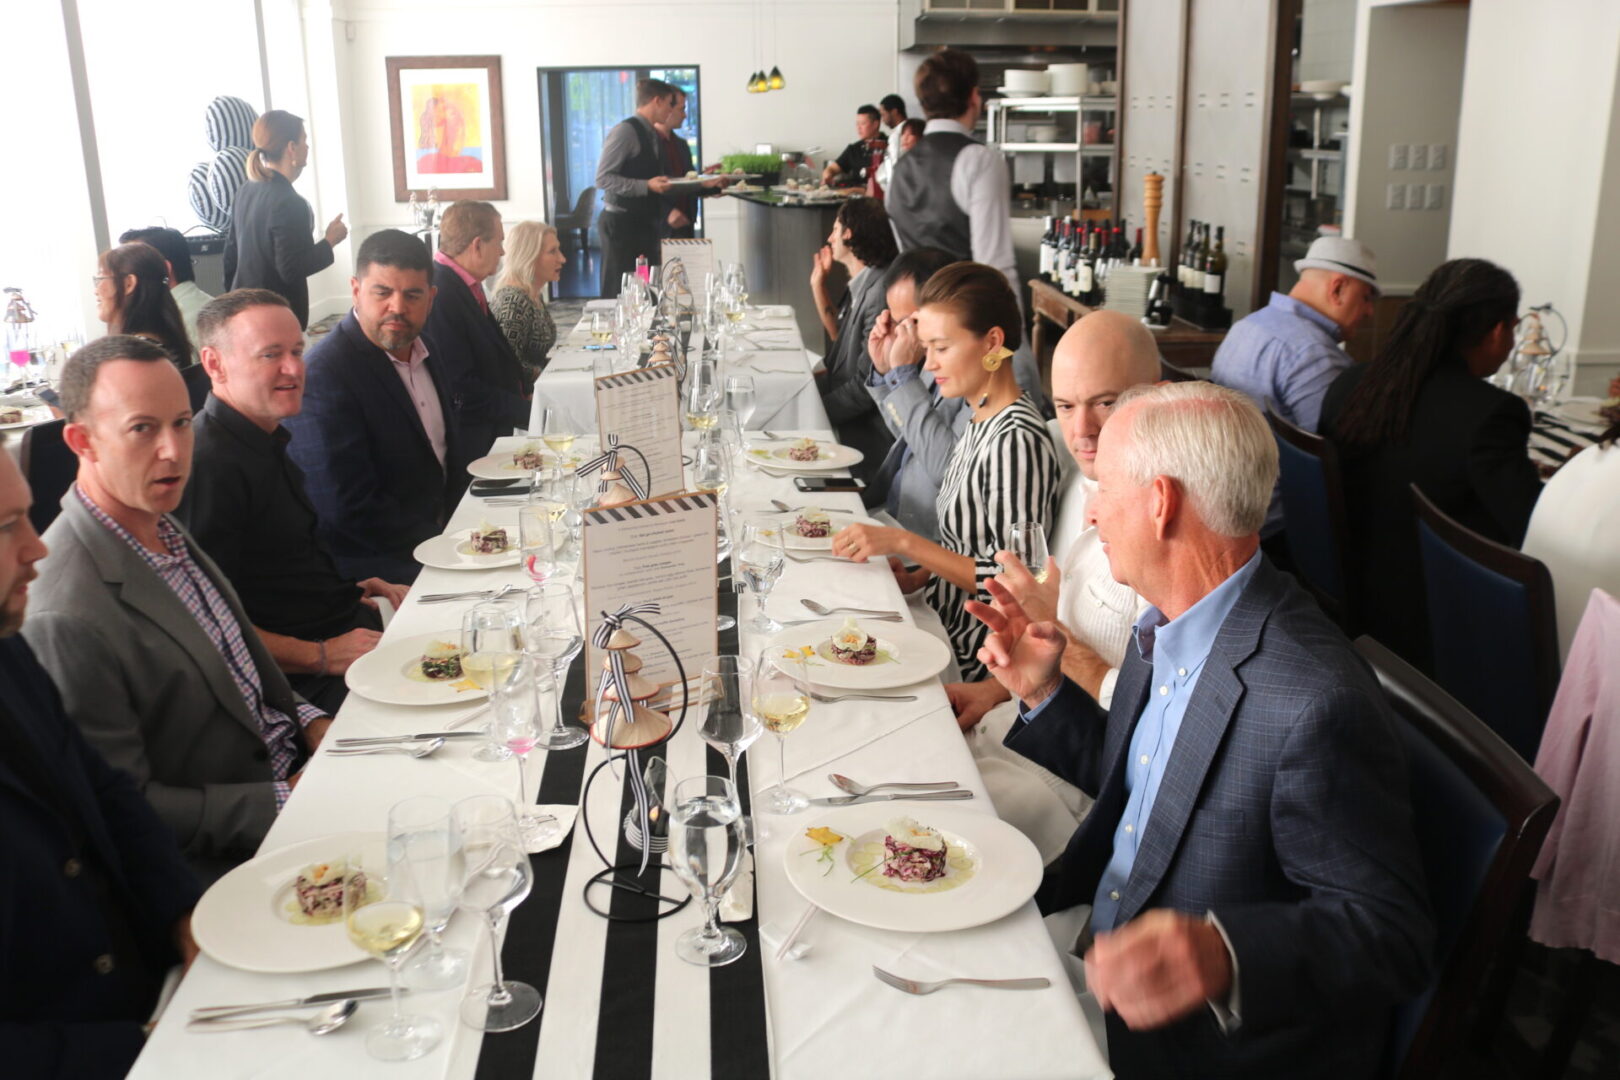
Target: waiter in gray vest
[
  {"x": 950, "y": 191},
  {"x": 630, "y": 173}
]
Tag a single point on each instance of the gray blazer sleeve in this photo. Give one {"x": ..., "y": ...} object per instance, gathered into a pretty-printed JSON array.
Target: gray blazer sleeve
[
  {"x": 909, "y": 411},
  {"x": 211, "y": 821}
]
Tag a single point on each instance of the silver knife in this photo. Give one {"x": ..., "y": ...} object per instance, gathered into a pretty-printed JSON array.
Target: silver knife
[
  {"x": 215, "y": 1012},
  {"x": 927, "y": 796},
  {"x": 424, "y": 736}
]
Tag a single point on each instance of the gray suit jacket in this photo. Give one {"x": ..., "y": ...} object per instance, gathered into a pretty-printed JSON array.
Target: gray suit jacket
[
  {"x": 929, "y": 426},
  {"x": 843, "y": 389},
  {"x": 149, "y": 690}
]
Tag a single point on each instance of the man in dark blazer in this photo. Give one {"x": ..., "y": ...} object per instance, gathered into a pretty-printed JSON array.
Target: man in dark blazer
[
  {"x": 377, "y": 438},
  {"x": 474, "y": 353},
  {"x": 97, "y": 898},
  {"x": 156, "y": 662},
  {"x": 1258, "y": 906}
]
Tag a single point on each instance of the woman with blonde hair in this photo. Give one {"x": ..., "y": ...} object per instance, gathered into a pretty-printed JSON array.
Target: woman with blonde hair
[
  {"x": 270, "y": 245},
  {"x": 534, "y": 260}
]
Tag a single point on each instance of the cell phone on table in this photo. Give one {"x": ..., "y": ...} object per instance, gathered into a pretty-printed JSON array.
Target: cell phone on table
[{"x": 828, "y": 483}]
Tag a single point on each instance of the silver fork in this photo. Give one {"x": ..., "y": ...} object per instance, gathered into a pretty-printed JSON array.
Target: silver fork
[
  {"x": 915, "y": 986},
  {"x": 831, "y": 699}
]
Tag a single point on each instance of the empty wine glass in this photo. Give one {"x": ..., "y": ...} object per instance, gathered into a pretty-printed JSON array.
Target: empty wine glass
[
  {"x": 782, "y": 702},
  {"x": 705, "y": 852},
  {"x": 537, "y": 539},
  {"x": 382, "y": 915},
  {"x": 516, "y": 725},
  {"x": 422, "y": 836},
  {"x": 498, "y": 879},
  {"x": 729, "y": 723},
  {"x": 1028, "y": 542},
  {"x": 552, "y": 636},
  {"x": 740, "y": 397},
  {"x": 758, "y": 557}
]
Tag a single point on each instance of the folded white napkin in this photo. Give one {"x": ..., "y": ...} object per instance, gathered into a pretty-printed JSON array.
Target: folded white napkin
[{"x": 565, "y": 815}]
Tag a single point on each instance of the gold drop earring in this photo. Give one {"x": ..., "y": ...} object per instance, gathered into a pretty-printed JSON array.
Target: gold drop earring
[{"x": 992, "y": 363}]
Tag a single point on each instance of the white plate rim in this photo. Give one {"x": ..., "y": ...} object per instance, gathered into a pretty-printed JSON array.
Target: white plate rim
[
  {"x": 269, "y": 933},
  {"x": 847, "y": 457},
  {"x": 846, "y": 677},
  {"x": 1002, "y": 849},
  {"x": 33, "y": 416},
  {"x": 361, "y": 668},
  {"x": 424, "y": 554}
]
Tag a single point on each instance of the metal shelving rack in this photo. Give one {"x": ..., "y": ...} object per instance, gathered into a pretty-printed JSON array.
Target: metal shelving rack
[{"x": 999, "y": 111}]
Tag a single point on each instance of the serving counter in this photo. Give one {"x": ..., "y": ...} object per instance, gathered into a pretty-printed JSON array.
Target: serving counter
[{"x": 778, "y": 243}]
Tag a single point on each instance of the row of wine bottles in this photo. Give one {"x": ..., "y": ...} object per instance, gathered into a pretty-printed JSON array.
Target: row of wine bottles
[
  {"x": 1077, "y": 256},
  {"x": 1203, "y": 261}
]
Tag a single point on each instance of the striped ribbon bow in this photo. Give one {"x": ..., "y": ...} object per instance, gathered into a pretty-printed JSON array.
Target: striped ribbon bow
[
  {"x": 615, "y": 676},
  {"x": 608, "y": 460}
]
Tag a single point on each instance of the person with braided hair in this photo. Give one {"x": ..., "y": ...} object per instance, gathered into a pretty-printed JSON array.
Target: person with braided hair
[{"x": 1422, "y": 413}]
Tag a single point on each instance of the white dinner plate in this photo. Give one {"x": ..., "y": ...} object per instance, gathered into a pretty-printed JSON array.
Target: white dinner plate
[
  {"x": 992, "y": 868},
  {"x": 1582, "y": 412},
  {"x": 498, "y": 466},
  {"x": 380, "y": 675},
  {"x": 906, "y": 655},
  {"x": 32, "y": 414},
  {"x": 244, "y": 920},
  {"x": 837, "y": 518},
  {"x": 833, "y": 456},
  {"x": 446, "y": 552}
]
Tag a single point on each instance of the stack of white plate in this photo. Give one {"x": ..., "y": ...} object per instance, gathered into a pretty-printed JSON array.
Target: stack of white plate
[
  {"x": 1068, "y": 80},
  {"x": 1128, "y": 289},
  {"x": 1023, "y": 83}
]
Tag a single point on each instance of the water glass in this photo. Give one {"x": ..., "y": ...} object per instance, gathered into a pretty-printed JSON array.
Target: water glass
[
  {"x": 706, "y": 853},
  {"x": 552, "y": 636},
  {"x": 740, "y": 397},
  {"x": 382, "y": 914},
  {"x": 424, "y": 842},
  {"x": 538, "y": 541},
  {"x": 758, "y": 558},
  {"x": 516, "y": 726},
  {"x": 498, "y": 880},
  {"x": 781, "y": 703},
  {"x": 1028, "y": 542},
  {"x": 726, "y": 694}
]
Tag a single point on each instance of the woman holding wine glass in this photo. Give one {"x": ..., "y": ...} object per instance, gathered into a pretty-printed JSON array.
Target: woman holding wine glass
[{"x": 1004, "y": 470}]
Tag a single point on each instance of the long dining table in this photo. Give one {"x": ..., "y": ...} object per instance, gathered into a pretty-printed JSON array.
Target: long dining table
[{"x": 618, "y": 1002}]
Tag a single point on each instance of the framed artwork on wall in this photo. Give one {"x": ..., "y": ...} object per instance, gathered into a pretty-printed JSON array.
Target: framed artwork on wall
[{"x": 445, "y": 116}]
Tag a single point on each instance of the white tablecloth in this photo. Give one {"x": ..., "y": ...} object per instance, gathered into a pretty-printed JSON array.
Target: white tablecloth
[
  {"x": 827, "y": 1012},
  {"x": 786, "y": 393}
]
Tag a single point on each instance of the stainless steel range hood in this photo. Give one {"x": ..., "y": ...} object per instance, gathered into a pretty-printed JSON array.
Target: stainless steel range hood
[{"x": 923, "y": 31}]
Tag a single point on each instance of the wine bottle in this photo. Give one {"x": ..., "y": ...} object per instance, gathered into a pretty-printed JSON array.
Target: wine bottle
[
  {"x": 1186, "y": 253},
  {"x": 1215, "y": 271},
  {"x": 1195, "y": 265},
  {"x": 1046, "y": 249},
  {"x": 1086, "y": 278},
  {"x": 1134, "y": 256}
]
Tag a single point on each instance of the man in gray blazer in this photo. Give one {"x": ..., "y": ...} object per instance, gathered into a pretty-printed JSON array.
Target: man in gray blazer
[{"x": 156, "y": 661}]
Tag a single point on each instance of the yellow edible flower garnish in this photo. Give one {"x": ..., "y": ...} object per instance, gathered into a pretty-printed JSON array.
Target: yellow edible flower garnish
[
  {"x": 824, "y": 835},
  {"x": 465, "y": 684},
  {"x": 807, "y": 650}
]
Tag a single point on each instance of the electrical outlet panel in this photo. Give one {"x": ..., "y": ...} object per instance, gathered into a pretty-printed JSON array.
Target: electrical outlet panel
[
  {"x": 1397, "y": 157},
  {"x": 1414, "y": 196},
  {"x": 1437, "y": 155},
  {"x": 1435, "y": 197},
  {"x": 1417, "y": 156},
  {"x": 1395, "y": 197}
]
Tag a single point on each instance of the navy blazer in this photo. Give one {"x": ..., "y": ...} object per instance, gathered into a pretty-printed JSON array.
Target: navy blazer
[
  {"x": 377, "y": 487},
  {"x": 63, "y": 1014},
  {"x": 483, "y": 369},
  {"x": 1284, "y": 811}
]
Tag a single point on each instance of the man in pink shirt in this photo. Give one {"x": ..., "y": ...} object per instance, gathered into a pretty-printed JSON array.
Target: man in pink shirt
[{"x": 379, "y": 439}]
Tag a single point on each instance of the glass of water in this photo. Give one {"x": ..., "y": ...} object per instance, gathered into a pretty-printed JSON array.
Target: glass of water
[
  {"x": 757, "y": 556},
  {"x": 705, "y": 851},
  {"x": 422, "y": 836},
  {"x": 740, "y": 397}
]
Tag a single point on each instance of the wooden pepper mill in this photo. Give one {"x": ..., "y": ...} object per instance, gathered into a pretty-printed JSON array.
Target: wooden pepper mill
[{"x": 1152, "y": 203}]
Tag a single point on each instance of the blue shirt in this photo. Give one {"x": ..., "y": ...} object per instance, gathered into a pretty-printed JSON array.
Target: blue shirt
[{"x": 1177, "y": 649}]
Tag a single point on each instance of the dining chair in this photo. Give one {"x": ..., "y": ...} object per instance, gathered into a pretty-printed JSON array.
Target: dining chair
[
  {"x": 49, "y": 467},
  {"x": 198, "y": 385},
  {"x": 1493, "y": 626},
  {"x": 1316, "y": 524},
  {"x": 578, "y": 220},
  {"x": 1480, "y": 814}
]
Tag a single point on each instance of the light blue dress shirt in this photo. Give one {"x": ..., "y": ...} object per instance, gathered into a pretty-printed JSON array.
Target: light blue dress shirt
[{"x": 1288, "y": 354}]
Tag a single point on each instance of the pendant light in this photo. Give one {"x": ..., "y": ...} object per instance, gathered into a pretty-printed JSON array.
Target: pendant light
[{"x": 776, "y": 80}]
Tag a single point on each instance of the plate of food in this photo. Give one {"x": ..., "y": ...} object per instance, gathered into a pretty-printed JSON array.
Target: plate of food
[
  {"x": 484, "y": 548},
  {"x": 847, "y": 655},
  {"x": 812, "y": 528},
  {"x": 420, "y": 670},
  {"x": 947, "y": 868},
  {"x": 282, "y": 912},
  {"x": 519, "y": 459},
  {"x": 805, "y": 455},
  {"x": 14, "y": 417}
]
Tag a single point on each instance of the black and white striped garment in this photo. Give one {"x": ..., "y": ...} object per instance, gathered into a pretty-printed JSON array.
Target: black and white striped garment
[{"x": 1004, "y": 471}]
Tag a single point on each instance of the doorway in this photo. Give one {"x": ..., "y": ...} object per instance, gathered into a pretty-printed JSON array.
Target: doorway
[{"x": 578, "y": 106}]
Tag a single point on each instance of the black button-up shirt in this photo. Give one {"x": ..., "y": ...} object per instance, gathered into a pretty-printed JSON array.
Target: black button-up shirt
[{"x": 246, "y": 507}]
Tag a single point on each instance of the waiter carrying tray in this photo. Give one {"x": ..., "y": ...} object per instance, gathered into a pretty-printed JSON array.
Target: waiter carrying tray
[{"x": 630, "y": 174}]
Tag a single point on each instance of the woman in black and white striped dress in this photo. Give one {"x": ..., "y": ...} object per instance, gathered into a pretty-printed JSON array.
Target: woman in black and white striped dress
[{"x": 1004, "y": 471}]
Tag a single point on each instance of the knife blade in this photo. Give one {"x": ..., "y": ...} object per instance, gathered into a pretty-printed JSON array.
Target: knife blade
[
  {"x": 924, "y": 796},
  {"x": 215, "y": 1012},
  {"x": 425, "y": 736}
]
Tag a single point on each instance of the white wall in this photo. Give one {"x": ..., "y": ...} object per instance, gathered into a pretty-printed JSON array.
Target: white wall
[{"x": 835, "y": 56}]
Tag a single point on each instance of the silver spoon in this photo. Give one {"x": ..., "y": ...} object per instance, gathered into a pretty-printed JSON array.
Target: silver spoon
[
  {"x": 823, "y": 609},
  {"x": 421, "y": 751},
  {"x": 844, "y": 783},
  {"x": 324, "y": 1022}
]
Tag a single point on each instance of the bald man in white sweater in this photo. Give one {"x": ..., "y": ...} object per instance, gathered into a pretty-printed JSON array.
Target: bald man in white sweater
[{"x": 1099, "y": 357}]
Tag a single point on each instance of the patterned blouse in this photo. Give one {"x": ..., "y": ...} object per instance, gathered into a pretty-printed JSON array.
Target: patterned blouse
[
  {"x": 1004, "y": 471},
  {"x": 527, "y": 326}
]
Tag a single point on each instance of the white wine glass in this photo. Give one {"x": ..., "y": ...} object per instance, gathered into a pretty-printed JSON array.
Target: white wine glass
[
  {"x": 556, "y": 432},
  {"x": 1028, "y": 542},
  {"x": 601, "y": 327},
  {"x": 702, "y": 397},
  {"x": 706, "y": 853},
  {"x": 740, "y": 397},
  {"x": 782, "y": 702},
  {"x": 516, "y": 726},
  {"x": 711, "y": 463},
  {"x": 757, "y": 556},
  {"x": 383, "y": 917},
  {"x": 423, "y": 838},
  {"x": 498, "y": 880},
  {"x": 729, "y": 724},
  {"x": 552, "y": 636}
]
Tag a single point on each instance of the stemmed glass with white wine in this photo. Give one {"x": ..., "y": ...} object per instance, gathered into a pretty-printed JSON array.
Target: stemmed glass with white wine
[
  {"x": 498, "y": 880},
  {"x": 726, "y": 694},
  {"x": 1029, "y": 544},
  {"x": 423, "y": 838},
  {"x": 703, "y": 390},
  {"x": 382, "y": 914},
  {"x": 757, "y": 556},
  {"x": 556, "y": 432},
  {"x": 601, "y": 328},
  {"x": 706, "y": 853},
  {"x": 782, "y": 702},
  {"x": 552, "y": 636}
]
